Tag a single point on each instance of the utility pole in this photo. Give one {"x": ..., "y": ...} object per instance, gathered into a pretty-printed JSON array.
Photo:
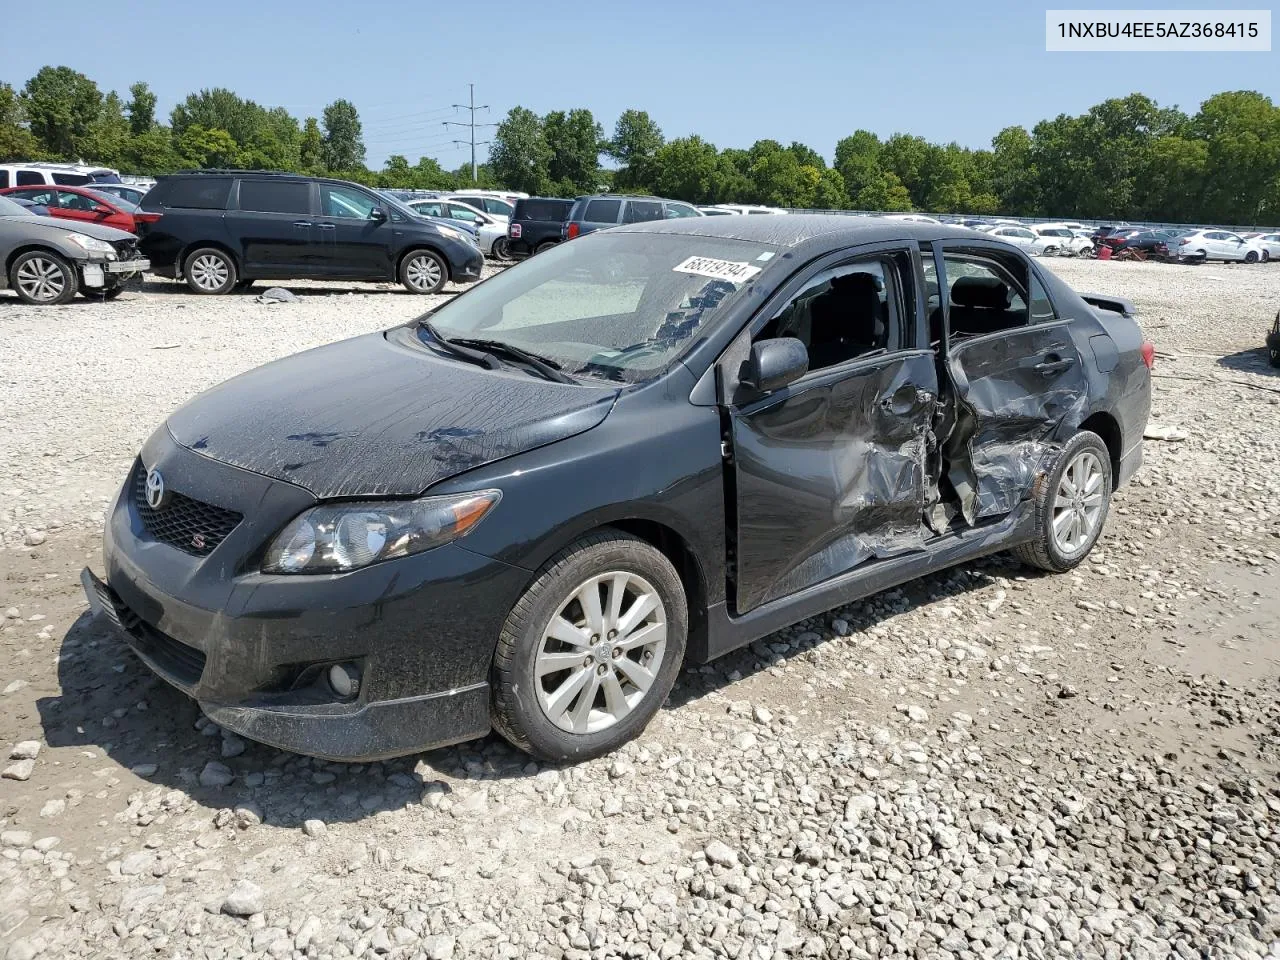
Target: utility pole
[{"x": 472, "y": 125}]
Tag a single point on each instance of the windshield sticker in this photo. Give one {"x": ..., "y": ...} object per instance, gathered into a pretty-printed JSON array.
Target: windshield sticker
[
  {"x": 767, "y": 255},
  {"x": 731, "y": 270}
]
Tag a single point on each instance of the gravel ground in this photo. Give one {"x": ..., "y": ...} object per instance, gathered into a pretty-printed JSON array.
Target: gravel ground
[{"x": 985, "y": 763}]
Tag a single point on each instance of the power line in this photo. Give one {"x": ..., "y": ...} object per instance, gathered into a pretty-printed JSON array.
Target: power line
[{"x": 472, "y": 125}]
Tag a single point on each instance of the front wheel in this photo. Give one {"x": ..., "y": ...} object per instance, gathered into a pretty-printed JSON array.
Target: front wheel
[
  {"x": 1071, "y": 505},
  {"x": 590, "y": 652},
  {"x": 43, "y": 278},
  {"x": 1251, "y": 257},
  {"x": 209, "y": 271},
  {"x": 423, "y": 272}
]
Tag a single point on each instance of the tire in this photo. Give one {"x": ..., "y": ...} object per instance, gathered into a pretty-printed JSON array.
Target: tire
[
  {"x": 1251, "y": 257},
  {"x": 1050, "y": 252},
  {"x": 423, "y": 271},
  {"x": 536, "y": 703},
  {"x": 544, "y": 246},
  {"x": 502, "y": 249},
  {"x": 43, "y": 278},
  {"x": 1084, "y": 457},
  {"x": 209, "y": 271}
]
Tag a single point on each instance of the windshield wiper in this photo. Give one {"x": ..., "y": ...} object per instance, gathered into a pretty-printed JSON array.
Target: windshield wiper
[
  {"x": 544, "y": 365},
  {"x": 486, "y": 360}
]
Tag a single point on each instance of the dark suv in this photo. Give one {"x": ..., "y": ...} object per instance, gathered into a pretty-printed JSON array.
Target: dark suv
[
  {"x": 607, "y": 210},
  {"x": 222, "y": 229},
  {"x": 536, "y": 225}
]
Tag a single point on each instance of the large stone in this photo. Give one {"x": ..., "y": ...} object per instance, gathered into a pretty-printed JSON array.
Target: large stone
[{"x": 244, "y": 900}]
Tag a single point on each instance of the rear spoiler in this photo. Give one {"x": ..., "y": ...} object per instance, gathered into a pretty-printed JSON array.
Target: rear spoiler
[{"x": 1104, "y": 301}]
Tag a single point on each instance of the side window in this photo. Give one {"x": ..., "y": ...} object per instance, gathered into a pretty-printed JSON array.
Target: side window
[
  {"x": 346, "y": 202},
  {"x": 77, "y": 201},
  {"x": 984, "y": 296},
  {"x": 678, "y": 210},
  {"x": 4, "y": 179},
  {"x": 602, "y": 211},
  {"x": 29, "y": 178},
  {"x": 1040, "y": 306},
  {"x": 432, "y": 209},
  {"x": 458, "y": 212},
  {"x": 499, "y": 207},
  {"x": 266, "y": 196},
  {"x": 71, "y": 179},
  {"x": 45, "y": 197},
  {"x": 642, "y": 211},
  {"x": 842, "y": 313},
  {"x": 198, "y": 193}
]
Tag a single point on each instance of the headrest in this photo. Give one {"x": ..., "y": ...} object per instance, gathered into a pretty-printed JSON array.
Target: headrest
[
  {"x": 856, "y": 285},
  {"x": 985, "y": 292}
]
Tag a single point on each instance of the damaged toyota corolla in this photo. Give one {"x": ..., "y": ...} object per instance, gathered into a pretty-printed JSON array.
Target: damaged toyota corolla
[{"x": 527, "y": 509}]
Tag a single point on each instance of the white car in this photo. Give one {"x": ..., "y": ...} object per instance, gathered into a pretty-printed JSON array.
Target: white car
[
  {"x": 912, "y": 217},
  {"x": 1270, "y": 243},
  {"x": 744, "y": 208},
  {"x": 497, "y": 207},
  {"x": 717, "y": 212},
  {"x": 1217, "y": 245},
  {"x": 1063, "y": 241},
  {"x": 40, "y": 174},
  {"x": 491, "y": 234},
  {"x": 1033, "y": 243}
]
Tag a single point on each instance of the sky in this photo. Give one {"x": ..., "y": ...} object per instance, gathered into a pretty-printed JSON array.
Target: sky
[{"x": 732, "y": 72}]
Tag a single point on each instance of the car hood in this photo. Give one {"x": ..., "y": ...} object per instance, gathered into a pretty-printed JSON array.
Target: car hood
[
  {"x": 55, "y": 228},
  {"x": 380, "y": 415}
]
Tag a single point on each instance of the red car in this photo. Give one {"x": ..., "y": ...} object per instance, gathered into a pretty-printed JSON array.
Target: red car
[{"x": 86, "y": 205}]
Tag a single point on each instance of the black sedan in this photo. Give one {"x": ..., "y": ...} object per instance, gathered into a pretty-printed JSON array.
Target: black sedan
[{"x": 527, "y": 509}]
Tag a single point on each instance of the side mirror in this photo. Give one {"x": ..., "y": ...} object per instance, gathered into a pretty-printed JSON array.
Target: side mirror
[
  {"x": 773, "y": 364},
  {"x": 377, "y": 213}
]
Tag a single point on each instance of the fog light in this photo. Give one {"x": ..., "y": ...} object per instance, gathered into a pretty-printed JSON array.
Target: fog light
[{"x": 344, "y": 678}]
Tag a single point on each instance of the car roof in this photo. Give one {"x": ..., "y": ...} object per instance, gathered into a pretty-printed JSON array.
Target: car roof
[{"x": 826, "y": 230}]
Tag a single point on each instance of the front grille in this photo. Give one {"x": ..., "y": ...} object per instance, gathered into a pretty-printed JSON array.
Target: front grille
[
  {"x": 192, "y": 526},
  {"x": 125, "y": 249},
  {"x": 174, "y": 660}
]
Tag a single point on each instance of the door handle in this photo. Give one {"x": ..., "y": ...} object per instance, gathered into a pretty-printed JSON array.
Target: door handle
[
  {"x": 1053, "y": 364},
  {"x": 327, "y": 226},
  {"x": 302, "y": 223}
]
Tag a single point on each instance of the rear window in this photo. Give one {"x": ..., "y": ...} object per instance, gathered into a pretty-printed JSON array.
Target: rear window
[
  {"x": 556, "y": 211},
  {"x": 264, "y": 196},
  {"x": 71, "y": 179},
  {"x": 602, "y": 211},
  {"x": 196, "y": 193},
  {"x": 642, "y": 211},
  {"x": 29, "y": 178}
]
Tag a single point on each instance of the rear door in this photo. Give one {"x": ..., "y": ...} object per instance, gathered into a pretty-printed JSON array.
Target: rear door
[
  {"x": 1016, "y": 376},
  {"x": 833, "y": 470},
  {"x": 274, "y": 227}
]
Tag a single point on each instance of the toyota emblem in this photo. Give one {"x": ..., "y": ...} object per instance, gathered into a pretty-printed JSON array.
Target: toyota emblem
[{"x": 156, "y": 493}]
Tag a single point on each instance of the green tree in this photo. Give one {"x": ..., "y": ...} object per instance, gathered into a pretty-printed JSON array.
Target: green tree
[
  {"x": 311, "y": 147},
  {"x": 806, "y": 156},
  {"x": 886, "y": 194},
  {"x": 343, "y": 136},
  {"x": 1241, "y": 133},
  {"x": 519, "y": 155},
  {"x": 831, "y": 193},
  {"x": 429, "y": 175},
  {"x": 61, "y": 106},
  {"x": 16, "y": 141},
  {"x": 858, "y": 160},
  {"x": 636, "y": 139},
  {"x": 687, "y": 168},
  {"x": 141, "y": 109},
  {"x": 200, "y": 147},
  {"x": 105, "y": 140},
  {"x": 1013, "y": 174},
  {"x": 575, "y": 142},
  {"x": 905, "y": 156},
  {"x": 150, "y": 153}
]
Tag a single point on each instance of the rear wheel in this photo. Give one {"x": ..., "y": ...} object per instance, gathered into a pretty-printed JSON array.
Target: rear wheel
[
  {"x": 590, "y": 652},
  {"x": 544, "y": 246},
  {"x": 502, "y": 249},
  {"x": 422, "y": 271},
  {"x": 1071, "y": 505},
  {"x": 43, "y": 278},
  {"x": 209, "y": 271}
]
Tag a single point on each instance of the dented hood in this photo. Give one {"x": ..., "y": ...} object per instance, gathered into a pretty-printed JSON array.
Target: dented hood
[{"x": 380, "y": 415}]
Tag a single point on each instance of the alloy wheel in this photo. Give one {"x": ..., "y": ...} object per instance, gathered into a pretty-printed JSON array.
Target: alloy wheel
[
  {"x": 209, "y": 271},
  {"x": 601, "y": 652},
  {"x": 42, "y": 279},
  {"x": 422, "y": 272},
  {"x": 1078, "y": 503}
]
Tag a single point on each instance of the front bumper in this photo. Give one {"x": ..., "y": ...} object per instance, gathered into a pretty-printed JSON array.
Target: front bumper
[{"x": 253, "y": 648}]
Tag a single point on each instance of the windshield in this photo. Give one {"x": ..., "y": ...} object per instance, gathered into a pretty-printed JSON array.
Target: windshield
[
  {"x": 9, "y": 208},
  {"x": 621, "y": 306}
]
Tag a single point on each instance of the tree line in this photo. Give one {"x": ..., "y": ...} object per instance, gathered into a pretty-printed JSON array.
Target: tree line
[{"x": 1126, "y": 157}]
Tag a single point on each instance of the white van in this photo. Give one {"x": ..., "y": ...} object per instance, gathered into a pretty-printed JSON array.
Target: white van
[{"x": 32, "y": 174}]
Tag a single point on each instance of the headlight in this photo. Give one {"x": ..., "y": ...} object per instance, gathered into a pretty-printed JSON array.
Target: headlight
[
  {"x": 455, "y": 234},
  {"x": 91, "y": 244},
  {"x": 347, "y": 536}
]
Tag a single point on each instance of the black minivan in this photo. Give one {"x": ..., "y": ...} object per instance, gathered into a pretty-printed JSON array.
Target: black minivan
[{"x": 220, "y": 230}]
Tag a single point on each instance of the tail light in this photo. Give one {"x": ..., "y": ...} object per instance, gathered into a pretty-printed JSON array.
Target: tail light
[
  {"x": 514, "y": 230},
  {"x": 1183, "y": 243},
  {"x": 142, "y": 217},
  {"x": 1148, "y": 354},
  {"x": 572, "y": 231}
]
